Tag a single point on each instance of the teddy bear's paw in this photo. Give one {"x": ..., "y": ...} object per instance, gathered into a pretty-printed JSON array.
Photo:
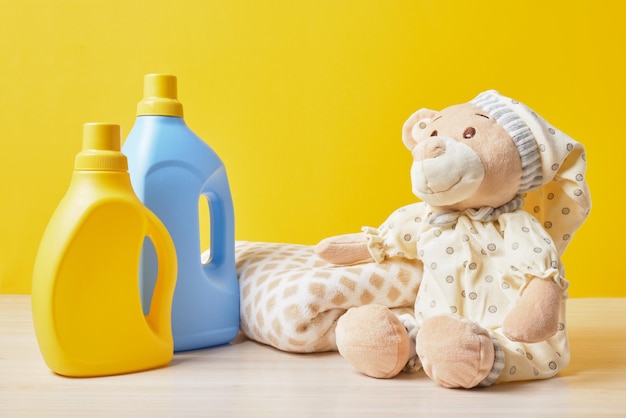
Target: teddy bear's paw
[
  {"x": 530, "y": 327},
  {"x": 373, "y": 340},
  {"x": 344, "y": 249},
  {"x": 454, "y": 352},
  {"x": 536, "y": 316}
]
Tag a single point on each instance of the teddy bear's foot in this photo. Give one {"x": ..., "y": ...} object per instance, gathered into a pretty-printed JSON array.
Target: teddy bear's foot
[
  {"x": 373, "y": 340},
  {"x": 454, "y": 352}
]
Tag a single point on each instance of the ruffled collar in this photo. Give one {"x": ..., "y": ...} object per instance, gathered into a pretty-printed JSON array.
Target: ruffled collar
[{"x": 484, "y": 214}]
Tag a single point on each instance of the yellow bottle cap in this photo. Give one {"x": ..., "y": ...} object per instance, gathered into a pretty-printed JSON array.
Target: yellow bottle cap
[
  {"x": 160, "y": 96},
  {"x": 101, "y": 149}
]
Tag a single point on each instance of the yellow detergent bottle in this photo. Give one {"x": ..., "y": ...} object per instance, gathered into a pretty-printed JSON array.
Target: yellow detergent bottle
[{"x": 86, "y": 303}]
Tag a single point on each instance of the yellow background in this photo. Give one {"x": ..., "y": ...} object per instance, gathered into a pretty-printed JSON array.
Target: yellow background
[{"x": 304, "y": 101}]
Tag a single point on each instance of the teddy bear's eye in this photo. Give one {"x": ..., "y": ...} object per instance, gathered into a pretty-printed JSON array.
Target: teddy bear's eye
[
  {"x": 434, "y": 133},
  {"x": 469, "y": 133}
]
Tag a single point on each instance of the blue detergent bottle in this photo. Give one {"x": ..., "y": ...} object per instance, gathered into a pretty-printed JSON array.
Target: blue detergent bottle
[{"x": 171, "y": 170}]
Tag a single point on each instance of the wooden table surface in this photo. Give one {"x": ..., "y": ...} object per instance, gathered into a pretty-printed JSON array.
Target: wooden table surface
[{"x": 248, "y": 379}]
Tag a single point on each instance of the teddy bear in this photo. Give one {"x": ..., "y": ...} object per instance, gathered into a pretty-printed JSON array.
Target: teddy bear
[{"x": 502, "y": 192}]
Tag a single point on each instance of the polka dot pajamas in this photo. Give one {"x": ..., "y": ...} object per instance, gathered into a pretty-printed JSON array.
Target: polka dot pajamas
[{"x": 478, "y": 270}]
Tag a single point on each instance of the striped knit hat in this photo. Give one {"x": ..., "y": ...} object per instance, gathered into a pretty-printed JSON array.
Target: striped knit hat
[
  {"x": 553, "y": 166},
  {"x": 502, "y": 110}
]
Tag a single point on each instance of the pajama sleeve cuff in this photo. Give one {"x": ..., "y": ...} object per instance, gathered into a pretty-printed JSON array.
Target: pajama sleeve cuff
[{"x": 375, "y": 244}]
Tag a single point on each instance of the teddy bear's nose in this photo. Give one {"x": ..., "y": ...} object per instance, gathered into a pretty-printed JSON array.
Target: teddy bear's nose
[{"x": 431, "y": 148}]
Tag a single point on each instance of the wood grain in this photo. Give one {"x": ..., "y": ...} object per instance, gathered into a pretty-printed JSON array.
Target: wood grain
[{"x": 247, "y": 379}]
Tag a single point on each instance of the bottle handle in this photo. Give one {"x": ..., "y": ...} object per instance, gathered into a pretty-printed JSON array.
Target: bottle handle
[
  {"x": 160, "y": 316},
  {"x": 221, "y": 236}
]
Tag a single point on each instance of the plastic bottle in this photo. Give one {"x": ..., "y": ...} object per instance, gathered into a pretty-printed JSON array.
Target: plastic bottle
[
  {"x": 86, "y": 301},
  {"x": 171, "y": 170}
]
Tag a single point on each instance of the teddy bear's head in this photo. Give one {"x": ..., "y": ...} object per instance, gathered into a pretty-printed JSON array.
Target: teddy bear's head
[
  {"x": 494, "y": 155},
  {"x": 462, "y": 158}
]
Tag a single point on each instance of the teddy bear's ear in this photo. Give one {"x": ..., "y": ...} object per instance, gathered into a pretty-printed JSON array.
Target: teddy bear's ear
[{"x": 417, "y": 122}]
